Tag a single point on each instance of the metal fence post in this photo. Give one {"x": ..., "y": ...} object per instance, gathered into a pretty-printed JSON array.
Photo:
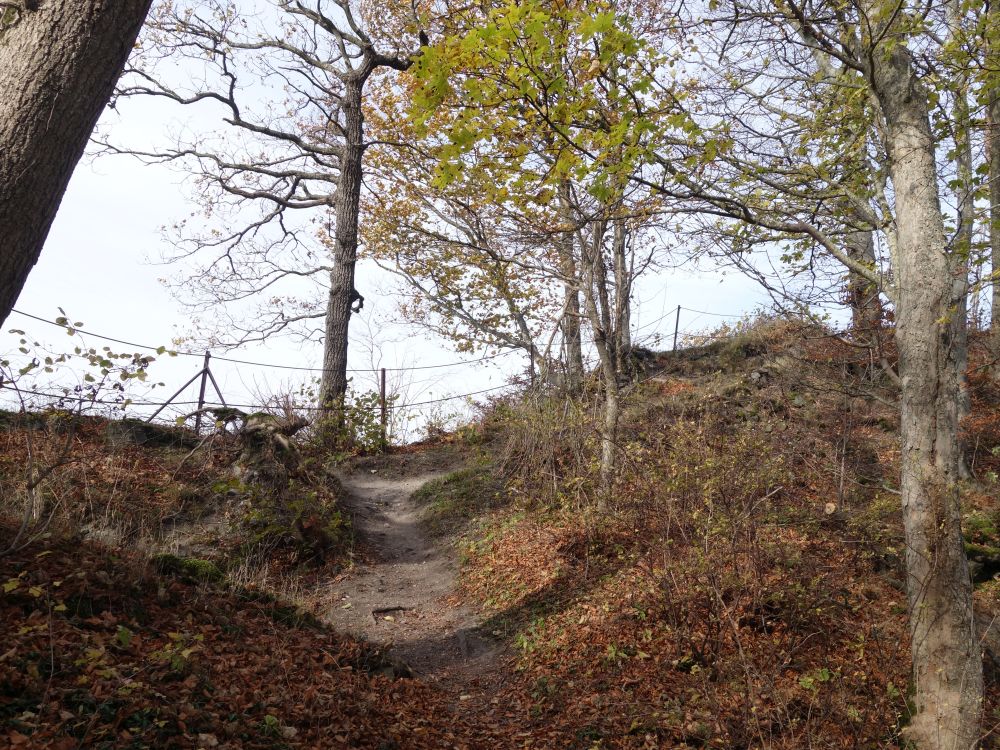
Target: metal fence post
[{"x": 201, "y": 392}]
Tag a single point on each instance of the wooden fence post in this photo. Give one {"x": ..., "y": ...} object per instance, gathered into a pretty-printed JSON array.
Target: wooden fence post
[
  {"x": 677, "y": 325},
  {"x": 384, "y": 416}
]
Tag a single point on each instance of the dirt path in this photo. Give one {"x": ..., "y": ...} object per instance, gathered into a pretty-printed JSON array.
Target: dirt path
[{"x": 401, "y": 597}]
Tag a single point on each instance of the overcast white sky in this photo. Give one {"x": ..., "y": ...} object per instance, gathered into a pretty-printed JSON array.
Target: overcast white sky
[{"x": 98, "y": 265}]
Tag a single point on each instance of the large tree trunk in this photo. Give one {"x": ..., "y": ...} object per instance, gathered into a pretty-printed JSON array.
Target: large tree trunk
[
  {"x": 58, "y": 66},
  {"x": 344, "y": 298},
  {"x": 946, "y": 659}
]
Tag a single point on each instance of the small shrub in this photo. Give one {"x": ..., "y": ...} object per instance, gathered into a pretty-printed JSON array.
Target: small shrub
[
  {"x": 306, "y": 519},
  {"x": 356, "y": 431},
  {"x": 547, "y": 445},
  {"x": 191, "y": 568}
]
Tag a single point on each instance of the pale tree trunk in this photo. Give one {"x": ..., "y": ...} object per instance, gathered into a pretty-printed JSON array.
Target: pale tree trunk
[
  {"x": 343, "y": 297},
  {"x": 993, "y": 154},
  {"x": 58, "y": 66},
  {"x": 594, "y": 290},
  {"x": 572, "y": 338},
  {"x": 946, "y": 659},
  {"x": 623, "y": 294},
  {"x": 602, "y": 293}
]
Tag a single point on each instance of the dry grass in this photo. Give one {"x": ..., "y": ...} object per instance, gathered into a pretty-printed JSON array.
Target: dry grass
[{"x": 747, "y": 589}]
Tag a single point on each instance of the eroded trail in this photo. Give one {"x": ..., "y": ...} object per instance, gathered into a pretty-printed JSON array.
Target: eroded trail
[{"x": 404, "y": 597}]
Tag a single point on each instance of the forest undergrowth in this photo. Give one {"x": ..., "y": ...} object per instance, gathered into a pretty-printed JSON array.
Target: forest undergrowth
[{"x": 747, "y": 590}]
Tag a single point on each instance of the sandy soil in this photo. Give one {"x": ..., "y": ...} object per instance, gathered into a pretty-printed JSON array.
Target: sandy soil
[{"x": 404, "y": 596}]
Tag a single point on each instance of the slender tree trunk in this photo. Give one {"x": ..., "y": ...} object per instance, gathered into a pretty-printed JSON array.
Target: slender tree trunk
[
  {"x": 975, "y": 312},
  {"x": 573, "y": 337},
  {"x": 993, "y": 154},
  {"x": 602, "y": 294},
  {"x": 538, "y": 364},
  {"x": 862, "y": 294},
  {"x": 58, "y": 66},
  {"x": 961, "y": 252},
  {"x": 571, "y": 333},
  {"x": 946, "y": 659},
  {"x": 344, "y": 298},
  {"x": 595, "y": 289},
  {"x": 623, "y": 295}
]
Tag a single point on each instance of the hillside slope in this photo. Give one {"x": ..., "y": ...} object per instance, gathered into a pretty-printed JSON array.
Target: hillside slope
[
  {"x": 745, "y": 591},
  {"x": 100, "y": 652}
]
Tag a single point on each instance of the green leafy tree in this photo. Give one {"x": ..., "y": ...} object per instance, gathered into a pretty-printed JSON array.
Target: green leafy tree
[
  {"x": 476, "y": 265},
  {"x": 540, "y": 98},
  {"x": 817, "y": 126}
]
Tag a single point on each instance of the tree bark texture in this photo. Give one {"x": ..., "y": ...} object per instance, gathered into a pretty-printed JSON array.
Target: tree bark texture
[
  {"x": 595, "y": 296},
  {"x": 344, "y": 298},
  {"x": 572, "y": 337},
  {"x": 602, "y": 292},
  {"x": 862, "y": 294},
  {"x": 570, "y": 324},
  {"x": 623, "y": 295},
  {"x": 58, "y": 66},
  {"x": 946, "y": 658}
]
